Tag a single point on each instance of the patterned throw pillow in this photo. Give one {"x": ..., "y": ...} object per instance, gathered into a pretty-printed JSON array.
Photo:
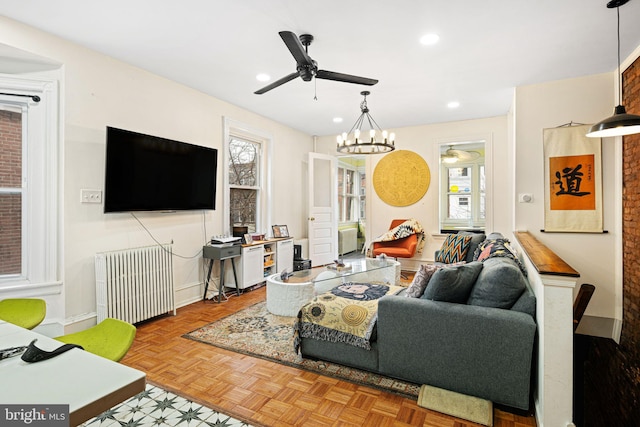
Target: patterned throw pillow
[
  {"x": 454, "y": 248},
  {"x": 421, "y": 280}
]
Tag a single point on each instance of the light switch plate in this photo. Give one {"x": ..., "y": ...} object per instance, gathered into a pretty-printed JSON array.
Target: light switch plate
[
  {"x": 90, "y": 196},
  {"x": 525, "y": 198}
]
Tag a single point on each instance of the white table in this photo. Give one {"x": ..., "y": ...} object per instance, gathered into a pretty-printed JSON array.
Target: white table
[
  {"x": 286, "y": 298},
  {"x": 89, "y": 384}
]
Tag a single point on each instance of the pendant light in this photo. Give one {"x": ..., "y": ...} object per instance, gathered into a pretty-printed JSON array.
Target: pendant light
[{"x": 620, "y": 123}]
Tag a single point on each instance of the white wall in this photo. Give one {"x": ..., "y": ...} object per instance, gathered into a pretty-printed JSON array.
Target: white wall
[
  {"x": 98, "y": 91},
  {"x": 424, "y": 140},
  {"x": 584, "y": 100}
]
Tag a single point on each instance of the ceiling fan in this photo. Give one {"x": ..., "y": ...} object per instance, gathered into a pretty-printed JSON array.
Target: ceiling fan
[
  {"x": 306, "y": 67},
  {"x": 452, "y": 155}
]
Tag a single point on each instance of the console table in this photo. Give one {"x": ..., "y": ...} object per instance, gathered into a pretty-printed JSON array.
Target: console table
[
  {"x": 89, "y": 384},
  {"x": 220, "y": 253}
]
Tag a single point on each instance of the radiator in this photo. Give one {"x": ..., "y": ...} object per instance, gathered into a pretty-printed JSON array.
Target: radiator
[
  {"x": 347, "y": 240},
  {"x": 135, "y": 284}
]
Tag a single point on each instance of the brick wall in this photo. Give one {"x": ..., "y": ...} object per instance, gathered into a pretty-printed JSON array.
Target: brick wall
[
  {"x": 10, "y": 204},
  {"x": 612, "y": 372}
]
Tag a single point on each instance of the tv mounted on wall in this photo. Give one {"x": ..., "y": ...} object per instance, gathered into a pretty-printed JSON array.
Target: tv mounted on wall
[{"x": 149, "y": 173}]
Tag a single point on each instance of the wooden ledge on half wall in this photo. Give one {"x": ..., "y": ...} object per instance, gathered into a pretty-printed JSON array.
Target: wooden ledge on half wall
[{"x": 544, "y": 259}]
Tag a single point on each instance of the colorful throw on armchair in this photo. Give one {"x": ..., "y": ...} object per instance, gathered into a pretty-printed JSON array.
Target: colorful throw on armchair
[
  {"x": 347, "y": 314},
  {"x": 406, "y": 229}
]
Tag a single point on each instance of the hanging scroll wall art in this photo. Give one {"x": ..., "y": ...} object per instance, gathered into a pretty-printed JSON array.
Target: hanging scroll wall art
[{"x": 573, "y": 180}]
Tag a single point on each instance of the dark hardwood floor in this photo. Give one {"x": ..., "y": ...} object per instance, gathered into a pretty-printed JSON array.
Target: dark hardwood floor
[{"x": 267, "y": 393}]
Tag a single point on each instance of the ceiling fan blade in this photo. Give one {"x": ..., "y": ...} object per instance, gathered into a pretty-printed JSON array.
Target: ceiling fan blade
[
  {"x": 295, "y": 47},
  {"x": 347, "y": 78},
  {"x": 277, "y": 83}
]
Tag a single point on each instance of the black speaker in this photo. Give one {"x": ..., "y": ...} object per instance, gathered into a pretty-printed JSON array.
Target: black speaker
[{"x": 297, "y": 252}]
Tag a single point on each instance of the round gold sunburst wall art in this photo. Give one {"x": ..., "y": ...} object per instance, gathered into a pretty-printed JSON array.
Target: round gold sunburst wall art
[{"x": 401, "y": 178}]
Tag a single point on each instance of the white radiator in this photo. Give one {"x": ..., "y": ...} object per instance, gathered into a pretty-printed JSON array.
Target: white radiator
[
  {"x": 347, "y": 240},
  {"x": 135, "y": 284}
]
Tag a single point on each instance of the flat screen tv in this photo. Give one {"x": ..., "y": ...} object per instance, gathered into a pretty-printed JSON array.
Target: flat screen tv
[{"x": 149, "y": 173}]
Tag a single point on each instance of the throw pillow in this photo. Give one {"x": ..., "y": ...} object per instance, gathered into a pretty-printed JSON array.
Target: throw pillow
[
  {"x": 421, "y": 280},
  {"x": 453, "y": 283},
  {"x": 499, "y": 284},
  {"x": 454, "y": 248}
]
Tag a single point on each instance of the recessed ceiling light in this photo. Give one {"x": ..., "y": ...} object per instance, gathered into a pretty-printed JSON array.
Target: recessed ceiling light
[
  {"x": 453, "y": 104},
  {"x": 429, "y": 39},
  {"x": 263, "y": 77},
  {"x": 337, "y": 120}
]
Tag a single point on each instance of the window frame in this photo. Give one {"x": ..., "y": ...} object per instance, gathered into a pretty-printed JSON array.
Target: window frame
[
  {"x": 475, "y": 195},
  {"x": 238, "y": 130},
  {"x": 444, "y": 143},
  {"x": 41, "y": 182},
  {"x": 358, "y": 195}
]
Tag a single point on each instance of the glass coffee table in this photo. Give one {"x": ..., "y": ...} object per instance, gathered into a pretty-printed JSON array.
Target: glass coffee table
[{"x": 286, "y": 298}]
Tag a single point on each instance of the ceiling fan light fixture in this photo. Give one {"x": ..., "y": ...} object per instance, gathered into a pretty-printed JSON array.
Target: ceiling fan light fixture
[
  {"x": 350, "y": 142},
  {"x": 620, "y": 123}
]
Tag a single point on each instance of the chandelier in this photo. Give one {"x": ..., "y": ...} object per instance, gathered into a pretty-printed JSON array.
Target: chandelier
[{"x": 350, "y": 142}]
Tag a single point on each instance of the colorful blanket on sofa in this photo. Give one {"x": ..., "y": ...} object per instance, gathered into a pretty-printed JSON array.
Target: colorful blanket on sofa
[
  {"x": 347, "y": 314},
  {"x": 406, "y": 229}
]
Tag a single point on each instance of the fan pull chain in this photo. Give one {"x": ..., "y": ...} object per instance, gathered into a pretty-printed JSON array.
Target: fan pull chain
[{"x": 315, "y": 89}]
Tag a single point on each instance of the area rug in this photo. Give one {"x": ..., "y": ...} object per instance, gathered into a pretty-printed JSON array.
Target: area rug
[
  {"x": 256, "y": 332},
  {"x": 159, "y": 407}
]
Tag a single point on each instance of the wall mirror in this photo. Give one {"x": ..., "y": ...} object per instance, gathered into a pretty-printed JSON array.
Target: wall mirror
[{"x": 462, "y": 191}]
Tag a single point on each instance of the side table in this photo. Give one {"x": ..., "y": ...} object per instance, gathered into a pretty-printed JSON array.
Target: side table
[{"x": 221, "y": 253}]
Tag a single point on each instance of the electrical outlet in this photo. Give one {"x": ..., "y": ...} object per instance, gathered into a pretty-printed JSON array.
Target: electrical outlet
[{"x": 90, "y": 196}]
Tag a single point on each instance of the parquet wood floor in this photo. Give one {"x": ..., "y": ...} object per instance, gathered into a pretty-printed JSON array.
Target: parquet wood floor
[{"x": 264, "y": 392}]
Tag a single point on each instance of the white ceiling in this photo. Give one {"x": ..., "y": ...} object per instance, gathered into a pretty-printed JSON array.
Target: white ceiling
[{"x": 486, "y": 49}]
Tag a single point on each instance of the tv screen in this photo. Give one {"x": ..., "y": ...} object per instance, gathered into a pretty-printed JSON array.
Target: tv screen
[{"x": 149, "y": 173}]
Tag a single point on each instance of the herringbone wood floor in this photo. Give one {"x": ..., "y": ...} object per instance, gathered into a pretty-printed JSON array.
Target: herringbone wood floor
[{"x": 268, "y": 393}]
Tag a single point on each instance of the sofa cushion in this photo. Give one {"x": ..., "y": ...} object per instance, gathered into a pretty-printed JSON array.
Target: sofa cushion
[
  {"x": 452, "y": 283},
  {"x": 499, "y": 284},
  {"x": 420, "y": 280},
  {"x": 454, "y": 248},
  {"x": 526, "y": 303}
]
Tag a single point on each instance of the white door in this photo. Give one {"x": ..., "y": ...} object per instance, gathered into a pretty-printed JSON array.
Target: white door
[{"x": 323, "y": 200}]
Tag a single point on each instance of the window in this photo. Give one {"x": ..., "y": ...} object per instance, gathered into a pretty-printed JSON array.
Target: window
[
  {"x": 244, "y": 183},
  {"x": 28, "y": 182},
  {"x": 351, "y": 193},
  {"x": 463, "y": 189},
  {"x": 11, "y": 189},
  {"x": 247, "y": 177}
]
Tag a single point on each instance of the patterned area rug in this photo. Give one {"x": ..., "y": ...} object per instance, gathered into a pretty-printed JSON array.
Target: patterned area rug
[
  {"x": 158, "y": 407},
  {"x": 256, "y": 332}
]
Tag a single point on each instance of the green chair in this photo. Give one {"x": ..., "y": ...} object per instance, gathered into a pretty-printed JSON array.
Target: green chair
[
  {"x": 110, "y": 339},
  {"x": 25, "y": 312}
]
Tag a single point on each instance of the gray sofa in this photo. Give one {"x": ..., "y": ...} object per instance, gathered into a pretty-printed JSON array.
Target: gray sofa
[{"x": 482, "y": 347}]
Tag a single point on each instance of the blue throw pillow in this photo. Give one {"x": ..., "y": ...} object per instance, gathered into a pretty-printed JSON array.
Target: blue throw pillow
[
  {"x": 453, "y": 283},
  {"x": 454, "y": 249}
]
